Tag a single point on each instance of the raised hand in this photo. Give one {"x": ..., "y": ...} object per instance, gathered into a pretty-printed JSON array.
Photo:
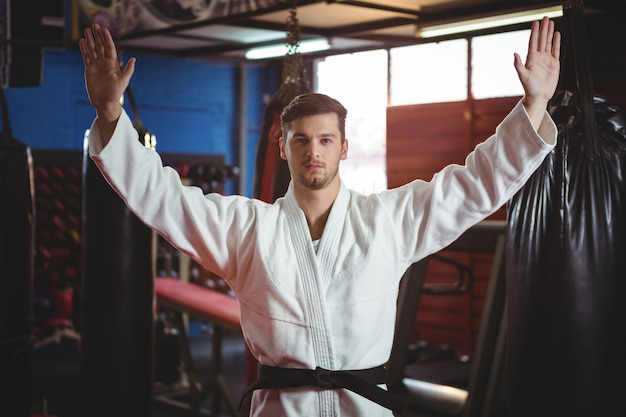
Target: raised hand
[
  {"x": 539, "y": 75},
  {"x": 104, "y": 79}
]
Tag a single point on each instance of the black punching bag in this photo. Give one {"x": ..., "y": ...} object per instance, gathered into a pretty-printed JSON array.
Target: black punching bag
[
  {"x": 566, "y": 256},
  {"x": 16, "y": 271},
  {"x": 116, "y": 354}
]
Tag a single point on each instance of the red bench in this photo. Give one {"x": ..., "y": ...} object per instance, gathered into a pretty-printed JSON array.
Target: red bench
[
  {"x": 222, "y": 311},
  {"x": 197, "y": 301}
]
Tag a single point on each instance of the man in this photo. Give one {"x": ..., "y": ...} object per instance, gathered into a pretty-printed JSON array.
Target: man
[{"x": 316, "y": 273}]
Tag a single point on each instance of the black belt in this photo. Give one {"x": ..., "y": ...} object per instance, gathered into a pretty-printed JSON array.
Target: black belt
[{"x": 362, "y": 381}]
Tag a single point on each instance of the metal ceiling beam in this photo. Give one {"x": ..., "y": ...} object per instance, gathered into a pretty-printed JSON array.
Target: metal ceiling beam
[
  {"x": 445, "y": 12},
  {"x": 448, "y": 13},
  {"x": 363, "y": 27},
  {"x": 225, "y": 20},
  {"x": 375, "y": 6}
]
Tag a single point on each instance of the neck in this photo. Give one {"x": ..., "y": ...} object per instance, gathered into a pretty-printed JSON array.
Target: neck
[{"x": 316, "y": 205}]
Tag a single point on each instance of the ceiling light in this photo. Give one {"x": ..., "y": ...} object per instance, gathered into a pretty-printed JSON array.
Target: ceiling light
[
  {"x": 272, "y": 51},
  {"x": 472, "y": 25}
]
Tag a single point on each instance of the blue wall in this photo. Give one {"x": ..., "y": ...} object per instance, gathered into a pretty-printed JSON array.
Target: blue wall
[{"x": 192, "y": 106}]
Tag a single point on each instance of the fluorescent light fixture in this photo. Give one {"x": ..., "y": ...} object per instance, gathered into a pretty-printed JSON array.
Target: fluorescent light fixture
[
  {"x": 272, "y": 51},
  {"x": 506, "y": 19}
]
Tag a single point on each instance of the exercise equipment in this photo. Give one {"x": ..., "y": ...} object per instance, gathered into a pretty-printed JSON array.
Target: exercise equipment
[
  {"x": 186, "y": 291},
  {"x": 567, "y": 269},
  {"x": 16, "y": 270},
  {"x": 481, "y": 396},
  {"x": 58, "y": 244},
  {"x": 186, "y": 300},
  {"x": 116, "y": 360}
]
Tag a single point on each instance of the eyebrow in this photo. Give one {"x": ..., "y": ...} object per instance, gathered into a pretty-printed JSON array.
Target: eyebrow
[{"x": 323, "y": 135}]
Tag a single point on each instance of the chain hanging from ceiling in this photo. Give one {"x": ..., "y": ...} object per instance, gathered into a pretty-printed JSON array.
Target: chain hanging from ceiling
[
  {"x": 272, "y": 176},
  {"x": 294, "y": 73}
]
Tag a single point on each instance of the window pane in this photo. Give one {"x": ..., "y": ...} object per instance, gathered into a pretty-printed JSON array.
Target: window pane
[
  {"x": 428, "y": 73},
  {"x": 493, "y": 72},
  {"x": 359, "y": 82}
]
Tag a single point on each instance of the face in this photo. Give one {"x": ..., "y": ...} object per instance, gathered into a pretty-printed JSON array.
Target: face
[{"x": 313, "y": 150}]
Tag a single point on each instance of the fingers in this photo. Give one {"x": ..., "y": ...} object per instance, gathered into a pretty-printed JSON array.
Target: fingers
[
  {"x": 100, "y": 41},
  {"x": 556, "y": 45},
  {"x": 96, "y": 43},
  {"x": 545, "y": 35},
  {"x": 107, "y": 44},
  {"x": 82, "y": 44},
  {"x": 129, "y": 69},
  {"x": 533, "y": 41},
  {"x": 546, "y": 39},
  {"x": 86, "y": 44},
  {"x": 517, "y": 63},
  {"x": 87, "y": 47}
]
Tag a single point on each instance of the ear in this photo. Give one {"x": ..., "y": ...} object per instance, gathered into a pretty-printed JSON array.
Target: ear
[
  {"x": 344, "y": 150},
  {"x": 281, "y": 147}
]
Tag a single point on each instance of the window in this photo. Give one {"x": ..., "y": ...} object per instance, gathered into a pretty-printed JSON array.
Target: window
[
  {"x": 427, "y": 73},
  {"x": 424, "y": 73},
  {"x": 493, "y": 73}
]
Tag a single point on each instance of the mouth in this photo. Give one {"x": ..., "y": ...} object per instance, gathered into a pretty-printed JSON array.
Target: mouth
[{"x": 314, "y": 165}]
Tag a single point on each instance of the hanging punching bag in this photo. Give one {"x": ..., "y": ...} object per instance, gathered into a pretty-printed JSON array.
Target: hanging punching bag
[
  {"x": 117, "y": 303},
  {"x": 271, "y": 177},
  {"x": 16, "y": 271},
  {"x": 566, "y": 269}
]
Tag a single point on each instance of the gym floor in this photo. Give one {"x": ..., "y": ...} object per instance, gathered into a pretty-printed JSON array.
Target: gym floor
[{"x": 56, "y": 374}]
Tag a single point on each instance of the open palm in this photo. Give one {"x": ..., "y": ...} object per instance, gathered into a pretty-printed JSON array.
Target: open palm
[
  {"x": 540, "y": 74},
  {"x": 104, "y": 79}
]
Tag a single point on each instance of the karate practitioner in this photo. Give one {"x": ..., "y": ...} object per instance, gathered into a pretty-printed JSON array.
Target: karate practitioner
[{"x": 316, "y": 273}]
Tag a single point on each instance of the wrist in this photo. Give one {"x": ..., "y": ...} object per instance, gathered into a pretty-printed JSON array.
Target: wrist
[
  {"x": 107, "y": 118},
  {"x": 536, "y": 109},
  {"x": 109, "y": 113}
]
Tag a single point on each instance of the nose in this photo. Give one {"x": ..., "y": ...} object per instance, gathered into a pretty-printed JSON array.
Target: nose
[{"x": 312, "y": 150}]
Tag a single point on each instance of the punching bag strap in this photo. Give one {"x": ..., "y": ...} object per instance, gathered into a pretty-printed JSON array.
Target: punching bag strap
[
  {"x": 145, "y": 136},
  {"x": 7, "y": 133},
  {"x": 131, "y": 98},
  {"x": 573, "y": 12}
]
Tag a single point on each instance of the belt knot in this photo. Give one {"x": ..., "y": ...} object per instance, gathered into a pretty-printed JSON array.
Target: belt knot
[{"x": 323, "y": 378}]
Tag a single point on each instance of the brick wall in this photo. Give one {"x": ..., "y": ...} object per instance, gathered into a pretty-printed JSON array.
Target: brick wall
[{"x": 192, "y": 106}]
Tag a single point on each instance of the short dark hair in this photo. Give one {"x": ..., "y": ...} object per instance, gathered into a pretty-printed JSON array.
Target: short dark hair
[{"x": 311, "y": 104}]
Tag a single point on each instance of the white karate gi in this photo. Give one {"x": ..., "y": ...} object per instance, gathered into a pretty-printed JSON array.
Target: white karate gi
[{"x": 336, "y": 307}]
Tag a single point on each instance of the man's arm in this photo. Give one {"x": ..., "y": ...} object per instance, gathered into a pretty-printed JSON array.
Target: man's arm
[
  {"x": 540, "y": 74},
  {"x": 104, "y": 79}
]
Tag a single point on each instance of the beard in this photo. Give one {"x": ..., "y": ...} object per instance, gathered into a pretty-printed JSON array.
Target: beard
[{"x": 316, "y": 181}]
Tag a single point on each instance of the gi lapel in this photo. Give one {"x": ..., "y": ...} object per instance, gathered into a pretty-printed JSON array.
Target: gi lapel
[
  {"x": 315, "y": 303},
  {"x": 328, "y": 250}
]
